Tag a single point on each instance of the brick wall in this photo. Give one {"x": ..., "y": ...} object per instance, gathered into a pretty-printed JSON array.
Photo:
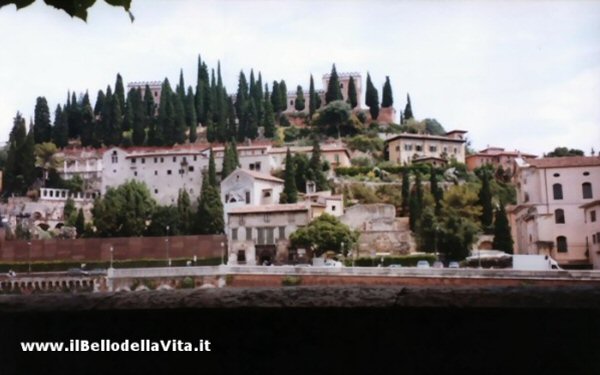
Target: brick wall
[{"x": 88, "y": 249}]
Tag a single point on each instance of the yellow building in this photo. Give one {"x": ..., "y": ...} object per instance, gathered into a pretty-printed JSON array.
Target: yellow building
[{"x": 407, "y": 148}]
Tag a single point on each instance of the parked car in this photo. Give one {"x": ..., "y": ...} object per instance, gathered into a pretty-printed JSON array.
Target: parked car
[
  {"x": 423, "y": 264},
  {"x": 453, "y": 265},
  {"x": 395, "y": 266},
  {"x": 438, "y": 264}
]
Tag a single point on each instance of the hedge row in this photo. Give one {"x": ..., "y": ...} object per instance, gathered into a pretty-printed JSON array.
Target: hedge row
[
  {"x": 404, "y": 260},
  {"x": 57, "y": 266},
  {"x": 394, "y": 169}
]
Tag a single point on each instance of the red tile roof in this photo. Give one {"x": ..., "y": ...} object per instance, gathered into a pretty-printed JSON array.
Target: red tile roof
[
  {"x": 565, "y": 162},
  {"x": 260, "y": 176},
  {"x": 269, "y": 208}
]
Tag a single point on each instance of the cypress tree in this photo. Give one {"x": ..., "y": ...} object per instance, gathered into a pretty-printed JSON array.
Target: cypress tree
[
  {"x": 251, "y": 121},
  {"x": 185, "y": 211},
  {"x": 190, "y": 116},
  {"x": 276, "y": 98},
  {"x": 502, "y": 237},
  {"x": 269, "y": 120},
  {"x": 299, "y": 105},
  {"x": 210, "y": 128},
  {"x": 42, "y": 128},
  {"x": 236, "y": 159},
  {"x": 115, "y": 123},
  {"x": 485, "y": 200},
  {"x": 290, "y": 191},
  {"x": 201, "y": 81},
  {"x": 68, "y": 209},
  {"x": 120, "y": 93},
  {"x": 149, "y": 105},
  {"x": 27, "y": 159},
  {"x": 416, "y": 203},
  {"x": 405, "y": 191},
  {"x": 283, "y": 92},
  {"x": 99, "y": 103},
  {"x": 312, "y": 102},
  {"x": 209, "y": 217},
  {"x": 74, "y": 118},
  {"x": 128, "y": 115},
  {"x": 87, "y": 122},
  {"x": 181, "y": 87},
  {"x": 139, "y": 121},
  {"x": 387, "y": 100},
  {"x": 241, "y": 95},
  {"x": 212, "y": 171},
  {"x": 227, "y": 162},
  {"x": 60, "y": 132},
  {"x": 372, "y": 99},
  {"x": 352, "y": 94},
  {"x": 165, "y": 125},
  {"x": 105, "y": 116},
  {"x": 333, "y": 87},
  {"x": 408, "y": 114},
  {"x": 179, "y": 120},
  {"x": 231, "y": 128},
  {"x": 316, "y": 167}
]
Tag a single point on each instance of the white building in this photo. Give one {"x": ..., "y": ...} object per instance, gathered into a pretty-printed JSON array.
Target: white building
[
  {"x": 591, "y": 214},
  {"x": 244, "y": 187},
  {"x": 83, "y": 162},
  {"x": 554, "y": 195},
  {"x": 407, "y": 148}
]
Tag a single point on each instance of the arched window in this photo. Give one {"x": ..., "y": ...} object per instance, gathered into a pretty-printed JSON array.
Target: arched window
[
  {"x": 559, "y": 216},
  {"x": 561, "y": 244},
  {"x": 557, "y": 191},
  {"x": 586, "y": 187}
]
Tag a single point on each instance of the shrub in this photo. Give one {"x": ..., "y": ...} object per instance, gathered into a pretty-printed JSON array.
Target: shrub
[
  {"x": 187, "y": 283},
  {"x": 291, "y": 281}
]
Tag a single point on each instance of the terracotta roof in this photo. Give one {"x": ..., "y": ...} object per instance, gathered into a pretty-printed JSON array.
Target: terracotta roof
[
  {"x": 498, "y": 151},
  {"x": 424, "y": 137},
  {"x": 294, "y": 149},
  {"x": 565, "y": 162},
  {"x": 259, "y": 176},
  {"x": 269, "y": 208}
]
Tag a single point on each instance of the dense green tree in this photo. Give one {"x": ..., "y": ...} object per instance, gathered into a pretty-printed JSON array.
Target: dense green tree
[
  {"x": 278, "y": 106},
  {"x": 290, "y": 191},
  {"x": 149, "y": 104},
  {"x": 416, "y": 203},
  {"x": 427, "y": 231},
  {"x": 299, "y": 105},
  {"x": 99, "y": 103},
  {"x": 80, "y": 223},
  {"x": 75, "y": 120},
  {"x": 316, "y": 167},
  {"x": 46, "y": 158},
  {"x": 227, "y": 162},
  {"x": 234, "y": 153},
  {"x": 232, "y": 128},
  {"x": 302, "y": 169},
  {"x": 19, "y": 171},
  {"x": 485, "y": 200},
  {"x": 123, "y": 211},
  {"x": 128, "y": 114},
  {"x": 335, "y": 119},
  {"x": 372, "y": 99},
  {"x": 114, "y": 133},
  {"x": 387, "y": 99},
  {"x": 251, "y": 120},
  {"x": 184, "y": 207},
  {"x": 201, "y": 97},
  {"x": 325, "y": 233},
  {"x": 88, "y": 123},
  {"x": 69, "y": 209},
  {"x": 42, "y": 128},
  {"x": 164, "y": 217},
  {"x": 190, "y": 115},
  {"x": 209, "y": 217},
  {"x": 120, "y": 93},
  {"x": 178, "y": 134},
  {"x": 212, "y": 170},
  {"x": 139, "y": 119},
  {"x": 408, "y": 113},
  {"x": 242, "y": 95},
  {"x": 334, "y": 91},
  {"x": 269, "y": 119},
  {"x": 502, "y": 237},
  {"x": 60, "y": 131},
  {"x": 105, "y": 117},
  {"x": 180, "y": 89},
  {"x": 165, "y": 124},
  {"x": 283, "y": 92},
  {"x": 352, "y": 94},
  {"x": 312, "y": 101},
  {"x": 564, "y": 151}
]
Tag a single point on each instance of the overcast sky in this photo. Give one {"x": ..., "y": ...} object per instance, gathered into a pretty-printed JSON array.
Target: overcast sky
[{"x": 519, "y": 75}]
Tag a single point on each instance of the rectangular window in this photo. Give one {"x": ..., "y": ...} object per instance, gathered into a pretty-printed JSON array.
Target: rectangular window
[
  {"x": 181, "y": 171},
  {"x": 418, "y": 148},
  {"x": 249, "y": 234},
  {"x": 260, "y": 236},
  {"x": 333, "y": 208},
  {"x": 593, "y": 216},
  {"x": 398, "y": 147},
  {"x": 135, "y": 173},
  {"x": 282, "y": 233},
  {"x": 270, "y": 236},
  {"x": 247, "y": 197},
  {"x": 169, "y": 171},
  {"x": 195, "y": 158},
  {"x": 155, "y": 191},
  {"x": 432, "y": 148},
  {"x": 257, "y": 166},
  {"x": 132, "y": 160},
  {"x": 174, "y": 158},
  {"x": 162, "y": 160},
  {"x": 234, "y": 234},
  {"x": 156, "y": 160},
  {"x": 191, "y": 168},
  {"x": 156, "y": 173},
  {"x": 143, "y": 160}
]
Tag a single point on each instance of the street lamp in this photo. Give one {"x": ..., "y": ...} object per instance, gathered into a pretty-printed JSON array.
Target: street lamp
[
  {"x": 222, "y": 253},
  {"x": 29, "y": 256},
  {"x": 112, "y": 251},
  {"x": 167, "y": 246}
]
